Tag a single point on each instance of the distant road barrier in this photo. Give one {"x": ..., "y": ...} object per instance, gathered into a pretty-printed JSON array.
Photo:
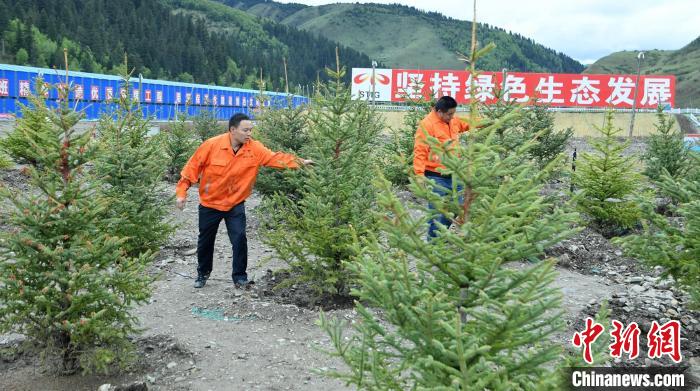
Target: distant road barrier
[
  {"x": 398, "y": 107},
  {"x": 694, "y": 119}
]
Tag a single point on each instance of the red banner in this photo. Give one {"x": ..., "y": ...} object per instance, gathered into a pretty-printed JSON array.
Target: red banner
[{"x": 554, "y": 89}]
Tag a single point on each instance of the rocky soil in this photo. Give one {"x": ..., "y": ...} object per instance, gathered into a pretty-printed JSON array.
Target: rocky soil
[{"x": 224, "y": 338}]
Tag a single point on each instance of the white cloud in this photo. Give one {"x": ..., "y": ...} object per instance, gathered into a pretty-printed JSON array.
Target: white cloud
[{"x": 585, "y": 29}]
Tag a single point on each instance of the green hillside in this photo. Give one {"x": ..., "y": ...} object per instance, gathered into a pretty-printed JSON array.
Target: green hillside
[
  {"x": 188, "y": 40},
  {"x": 306, "y": 53},
  {"x": 275, "y": 11},
  {"x": 683, "y": 63},
  {"x": 407, "y": 44},
  {"x": 401, "y": 36}
]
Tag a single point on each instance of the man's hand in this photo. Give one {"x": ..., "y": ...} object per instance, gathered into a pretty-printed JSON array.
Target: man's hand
[{"x": 180, "y": 202}]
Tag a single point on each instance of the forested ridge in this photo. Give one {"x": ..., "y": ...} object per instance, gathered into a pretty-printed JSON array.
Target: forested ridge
[{"x": 173, "y": 39}]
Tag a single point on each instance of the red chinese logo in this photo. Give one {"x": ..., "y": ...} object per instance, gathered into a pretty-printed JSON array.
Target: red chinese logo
[
  {"x": 662, "y": 340},
  {"x": 626, "y": 340},
  {"x": 665, "y": 339},
  {"x": 587, "y": 337}
]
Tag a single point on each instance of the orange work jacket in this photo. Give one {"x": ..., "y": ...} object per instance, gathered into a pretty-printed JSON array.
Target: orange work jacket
[
  {"x": 227, "y": 178},
  {"x": 433, "y": 125}
]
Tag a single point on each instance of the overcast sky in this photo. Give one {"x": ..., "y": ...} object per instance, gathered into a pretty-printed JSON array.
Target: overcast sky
[{"x": 583, "y": 29}]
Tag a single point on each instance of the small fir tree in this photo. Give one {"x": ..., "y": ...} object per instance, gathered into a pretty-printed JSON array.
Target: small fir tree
[
  {"x": 65, "y": 284},
  {"x": 666, "y": 151},
  {"x": 608, "y": 181},
  {"x": 509, "y": 136},
  {"x": 449, "y": 314},
  {"x": 179, "y": 143},
  {"x": 452, "y": 315},
  {"x": 535, "y": 122},
  {"x": 282, "y": 129},
  {"x": 131, "y": 165},
  {"x": 673, "y": 245},
  {"x": 34, "y": 121},
  {"x": 206, "y": 124},
  {"x": 681, "y": 190},
  {"x": 314, "y": 234},
  {"x": 539, "y": 121}
]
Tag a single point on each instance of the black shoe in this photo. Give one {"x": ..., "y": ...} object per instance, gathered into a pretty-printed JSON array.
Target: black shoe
[
  {"x": 200, "y": 281},
  {"x": 242, "y": 283}
]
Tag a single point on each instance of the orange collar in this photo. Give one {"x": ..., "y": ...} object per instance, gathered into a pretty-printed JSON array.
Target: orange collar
[{"x": 435, "y": 118}]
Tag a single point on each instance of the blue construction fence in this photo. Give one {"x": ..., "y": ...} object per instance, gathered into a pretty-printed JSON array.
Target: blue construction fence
[{"x": 94, "y": 94}]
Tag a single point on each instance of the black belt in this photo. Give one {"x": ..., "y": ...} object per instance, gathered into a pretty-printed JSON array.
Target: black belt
[{"x": 438, "y": 175}]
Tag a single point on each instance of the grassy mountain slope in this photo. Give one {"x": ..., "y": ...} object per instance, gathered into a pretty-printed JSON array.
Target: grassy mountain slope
[
  {"x": 188, "y": 40},
  {"x": 401, "y": 36},
  {"x": 306, "y": 53},
  {"x": 684, "y": 63},
  {"x": 418, "y": 45},
  {"x": 275, "y": 11}
]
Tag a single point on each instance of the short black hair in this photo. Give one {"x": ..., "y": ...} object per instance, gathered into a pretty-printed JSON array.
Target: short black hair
[
  {"x": 236, "y": 120},
  {"x": 445, "y": 103}
]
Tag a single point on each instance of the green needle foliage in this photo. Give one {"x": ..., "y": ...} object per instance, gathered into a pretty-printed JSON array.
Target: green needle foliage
[
  {"x": 64, "y": 283},
  {"x": 449, "y": 314},
  {"x": 673, "y": 244},
  {"x": 314, "y": 235},
  {"x": 206, "y": 125},
  {"x": 666, "y": 151},
  {"x": 131, "y": 166},
  {"x": 550, "y": 142},
  {"x": 179, "y": 143},
  {"x": 683, "y": 189},
  {"x": 535, "y": 122},
  {"x": 282, "y": 129},
  {"x": 608, "y": 180},
  {"x": 16, "y": 145},
  {"x": 5, "y": 162}
]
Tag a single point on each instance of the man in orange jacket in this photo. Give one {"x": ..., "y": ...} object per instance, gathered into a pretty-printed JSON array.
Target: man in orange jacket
[
  {"x": 226, "y": 167},
  {"x": 442, "y": 124}
]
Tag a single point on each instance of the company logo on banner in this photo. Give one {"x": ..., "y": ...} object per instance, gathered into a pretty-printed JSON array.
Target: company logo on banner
[
  {"x": 555, "y": 89},
  {"x": 364, "y": 85}
]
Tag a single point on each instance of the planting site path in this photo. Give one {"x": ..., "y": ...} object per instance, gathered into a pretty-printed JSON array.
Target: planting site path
[
  {"x": 242, "y": 341},
  {"x": 224, "y": 338}
]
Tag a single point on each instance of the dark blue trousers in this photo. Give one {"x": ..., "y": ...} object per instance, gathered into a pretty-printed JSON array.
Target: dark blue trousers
[
  {"x": 443, "y": 185},
  {"x": 209, "y": 220}
]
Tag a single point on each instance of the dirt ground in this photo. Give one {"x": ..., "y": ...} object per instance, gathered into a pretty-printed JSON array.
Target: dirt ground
[{"x": 224, "y": 338}]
